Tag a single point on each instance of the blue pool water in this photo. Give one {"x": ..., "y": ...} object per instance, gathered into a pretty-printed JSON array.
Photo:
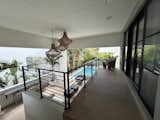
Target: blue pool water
[{"x": 88, "y": 71}]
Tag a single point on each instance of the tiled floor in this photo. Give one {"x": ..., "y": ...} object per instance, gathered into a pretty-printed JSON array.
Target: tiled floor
[
  {"x": 15, "y": 112},
  {"x": 107, "y": 97}
]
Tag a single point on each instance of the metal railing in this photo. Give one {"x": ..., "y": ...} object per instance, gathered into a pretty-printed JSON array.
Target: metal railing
[{"x": 64, "y": 77}]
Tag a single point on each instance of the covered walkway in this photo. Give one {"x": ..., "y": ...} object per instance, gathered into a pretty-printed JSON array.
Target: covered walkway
[{"x": 106, "y": 97}]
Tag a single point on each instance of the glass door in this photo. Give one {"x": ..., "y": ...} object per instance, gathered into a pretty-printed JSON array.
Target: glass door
[
  {"x": 134, "y": 46},
  {"x": 138, "y": 55}
]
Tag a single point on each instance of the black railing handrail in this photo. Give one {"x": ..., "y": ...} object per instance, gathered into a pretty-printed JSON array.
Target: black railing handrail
[
  {"x": 8, "y": 67},
  {"x": 85, "y": 63},
  {"x": 52, "y": 70},
  {"x": 29, "y": 65},
  {"x": 40, "y": 82},
  {"x": 66, "y": 79},
  {"x": 24, "y": 78},
  {"x": 66, "y": 96}
]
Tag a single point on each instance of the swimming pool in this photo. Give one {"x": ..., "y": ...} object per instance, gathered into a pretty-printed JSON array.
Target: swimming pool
[{"x": 88, "y": 72}]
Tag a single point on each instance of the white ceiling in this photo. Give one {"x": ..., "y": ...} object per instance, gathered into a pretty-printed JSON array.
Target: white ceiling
[{"x": 78, "y": 17}]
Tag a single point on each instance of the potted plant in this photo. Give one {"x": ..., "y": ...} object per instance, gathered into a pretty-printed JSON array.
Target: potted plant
[{"x": 53, "y": 60}]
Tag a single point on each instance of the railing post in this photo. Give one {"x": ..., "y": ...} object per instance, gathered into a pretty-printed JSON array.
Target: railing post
[
  {"x": 91, "y": 69},
  {"x": 65, "y": 101},
  {"x": 69, "y": 105},
  {"x": 97, "y": 63},
  {"x": 84, "y": 77},
  {"x": 24, "y": 79},
  {"x": 40, "y": 84}
]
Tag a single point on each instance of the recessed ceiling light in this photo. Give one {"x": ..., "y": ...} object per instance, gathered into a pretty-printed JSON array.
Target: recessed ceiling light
[{"x": 109, "y": 18}]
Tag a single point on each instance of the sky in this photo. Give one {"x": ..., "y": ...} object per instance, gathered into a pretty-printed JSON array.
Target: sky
[
  {"x": 114, "y": 50},
  {"x": 9, "y": 53}
]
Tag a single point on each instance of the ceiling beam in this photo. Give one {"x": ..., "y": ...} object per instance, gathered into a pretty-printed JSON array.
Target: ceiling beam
[{"x": 13, "y": 38}]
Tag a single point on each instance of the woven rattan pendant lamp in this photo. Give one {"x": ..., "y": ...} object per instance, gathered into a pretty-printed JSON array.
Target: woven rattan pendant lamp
[{"x": 64, "y": 42}]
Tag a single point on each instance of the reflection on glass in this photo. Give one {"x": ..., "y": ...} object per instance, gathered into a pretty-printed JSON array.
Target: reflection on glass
[
  {"x": 126, "y": 49},
  {"x": 133, "y": 52},
  {"x": 138, "y": 62},
  {"x": 125, "y": 64},
  {"x": 157, "y": 57},
  {"x": 151, "y": 71},
  {"x": 148, "y": 89},
  {"x": 149, "y": 54},
  {"x": 140, "y": 30}
]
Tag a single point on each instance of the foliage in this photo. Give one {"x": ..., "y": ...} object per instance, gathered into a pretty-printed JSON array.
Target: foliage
[
  {"x": 2, "y": 82},
  {"x": 5, "y": 80},
  {"x": 53, "y": 60},
  {"x": 13, "y": 71},
  {"x": 70, "y": 54},
  {"x": 90, "y": 53},
  {"x": 7, "y": 74},
  {"x": 3, "y": 65},
  {"x": 76, "y": 57},
  {"x": 105, "y": 55},
  {"x": 152, "y": 56},
  {"x": 149, "y": 52}
]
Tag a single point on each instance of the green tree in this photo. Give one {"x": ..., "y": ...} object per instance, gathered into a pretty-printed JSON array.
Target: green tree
[
  {"x": 90, "y": 53},
  {"x": 7, "y": 74},
  {"x": 70, "y": 53},
  {"x": 53, "y": 60},
  {"x": 3, "y": 82},
  {"x": 149, "y": 53},
  {"x": 13, "y": 70},
  {"x": 105, "y": 55},
  {"x": 3, "y": 65}
]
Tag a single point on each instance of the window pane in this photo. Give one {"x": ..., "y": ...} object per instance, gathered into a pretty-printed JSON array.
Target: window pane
[
  {"x": 138, "y": 61},
  {"x": 149, "y": 53},
  {"x": 151, "y": 71},
  {"x": 126, "y": 49},
  {"x": 157, "y": 57},
  {"x": 133, "y": 52},
  {"x": 153, "y": 17},
  {"x": 148, "y": 89},
  {"x": 140, "y": 30}
]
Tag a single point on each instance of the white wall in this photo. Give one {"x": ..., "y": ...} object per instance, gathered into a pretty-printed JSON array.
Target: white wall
[
  {"x": 62, "y": 66},
  {"x": 41, "y": 109},
  {"x": 13, "y": 38},
  {"x": 9, "y": 100}
]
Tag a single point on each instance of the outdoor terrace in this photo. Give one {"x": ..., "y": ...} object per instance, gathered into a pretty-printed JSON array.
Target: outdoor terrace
[{"x": 106, "y": 97}]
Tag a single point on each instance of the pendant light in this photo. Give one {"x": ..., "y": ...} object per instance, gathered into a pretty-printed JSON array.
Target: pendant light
[
  {"x": 53, "y": 50},
  {"x": 64, "y": 42}
]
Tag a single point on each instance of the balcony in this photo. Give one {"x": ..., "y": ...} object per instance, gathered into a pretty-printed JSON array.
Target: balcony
[{"x": 106, "y": 96}]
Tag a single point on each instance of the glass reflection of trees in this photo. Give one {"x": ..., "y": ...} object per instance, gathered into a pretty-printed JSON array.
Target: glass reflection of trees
[{"x": 152, "y": 56}]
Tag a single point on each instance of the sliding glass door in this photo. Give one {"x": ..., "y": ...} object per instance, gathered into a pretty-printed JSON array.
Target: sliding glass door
[
  {"x": 139, "y": 51},
  {"x": 151, "y": 57},
  {"x": 142, "y": 53},
  {"x": 134, "y": 46}
]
